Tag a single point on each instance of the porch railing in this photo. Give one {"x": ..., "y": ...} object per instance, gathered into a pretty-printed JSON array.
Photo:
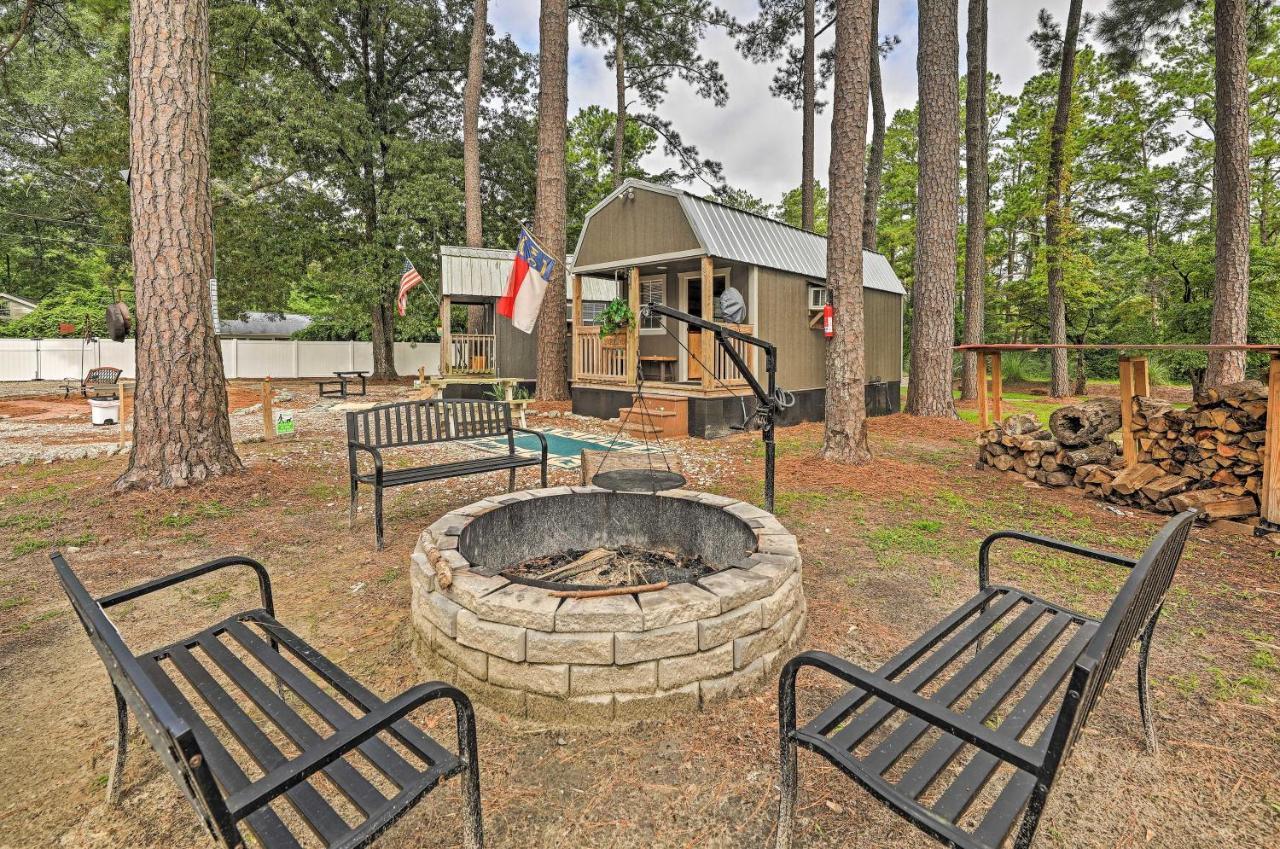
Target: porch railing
[
  {"x": 594, "y": 360},
  {"x": 471, "y": 353},
  {"x": 725, "y": 371}
]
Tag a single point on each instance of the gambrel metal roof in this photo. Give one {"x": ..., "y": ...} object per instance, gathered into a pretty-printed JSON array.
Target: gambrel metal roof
[{"x": 728, "y": 233}]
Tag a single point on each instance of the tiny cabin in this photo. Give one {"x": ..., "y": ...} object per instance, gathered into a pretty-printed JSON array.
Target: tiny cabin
[
  {"x": 669, "y": 246},
  {"x": 491, "y": 347}
]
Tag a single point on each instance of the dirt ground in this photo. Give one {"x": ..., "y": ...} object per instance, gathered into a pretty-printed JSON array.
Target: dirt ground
[{"x": 888, "y": 549}]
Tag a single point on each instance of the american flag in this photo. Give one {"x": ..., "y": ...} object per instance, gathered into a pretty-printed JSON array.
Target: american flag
[{"x": 408, "y": 279}]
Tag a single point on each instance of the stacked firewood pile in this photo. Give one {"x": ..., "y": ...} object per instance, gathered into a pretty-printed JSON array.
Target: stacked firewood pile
[
  {"x": 1064, "y": 454},
  {"x": 1208, "y": 456}
]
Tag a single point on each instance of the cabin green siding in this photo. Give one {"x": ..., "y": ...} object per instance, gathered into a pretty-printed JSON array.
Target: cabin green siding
[{"x": 649, "y": 225}]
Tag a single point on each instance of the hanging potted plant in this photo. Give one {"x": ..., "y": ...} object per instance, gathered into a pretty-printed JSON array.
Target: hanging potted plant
[{"x": 614, "y": 321}]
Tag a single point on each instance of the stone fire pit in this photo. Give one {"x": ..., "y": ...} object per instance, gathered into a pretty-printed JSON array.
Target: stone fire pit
[{"x": 524, "y": 652}]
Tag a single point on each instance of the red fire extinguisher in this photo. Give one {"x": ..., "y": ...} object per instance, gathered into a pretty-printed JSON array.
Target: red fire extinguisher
[{"x": 828, "y": 321}]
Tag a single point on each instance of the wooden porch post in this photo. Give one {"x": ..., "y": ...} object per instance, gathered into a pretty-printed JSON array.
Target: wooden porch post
[
  {"x": 574, "y": 354},
  {"x": 1128, "y": 444},
  {"x": 633, "y": 332},
  {"x": 984, "y": 413},
  {"x": 708, "y": 352},
  {"x": 997, "y": 388},
  {"x": 446, "y": 336},
  {"x": 1269, "y": 497}
]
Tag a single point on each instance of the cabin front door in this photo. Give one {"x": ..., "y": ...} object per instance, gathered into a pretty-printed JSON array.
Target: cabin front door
[{"x": 691, "y": 302}]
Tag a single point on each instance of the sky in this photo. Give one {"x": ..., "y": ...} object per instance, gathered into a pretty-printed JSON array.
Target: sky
[{"x": 756, "y": 136}]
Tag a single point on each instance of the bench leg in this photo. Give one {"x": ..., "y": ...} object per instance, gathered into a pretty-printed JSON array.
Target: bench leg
[
  {"x": 789, "y": 778},
  {"x": 377, "y": 514},
  {"x": 511, "y": 481},
  {"x": 351, "y": 513},
  {"x": 1144, "y": 691},
  {"x": 116, "y": 778},
  {"x": 472, "y": 819},
  {"x": 544, "y": 472}
]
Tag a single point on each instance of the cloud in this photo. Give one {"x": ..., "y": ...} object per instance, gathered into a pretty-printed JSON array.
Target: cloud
[{"x": 757, "y": 136}]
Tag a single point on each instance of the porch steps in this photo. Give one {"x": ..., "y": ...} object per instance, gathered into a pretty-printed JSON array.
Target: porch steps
[{"x": 656, "y": 416}]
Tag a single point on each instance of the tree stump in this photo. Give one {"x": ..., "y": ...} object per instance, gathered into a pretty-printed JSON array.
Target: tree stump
[{"x": 1078, "y": 425}]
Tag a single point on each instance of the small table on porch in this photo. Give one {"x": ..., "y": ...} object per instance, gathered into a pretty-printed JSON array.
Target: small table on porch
[
  {"x": 666, "y": 365},
  {"x": 338, "y": 388}
]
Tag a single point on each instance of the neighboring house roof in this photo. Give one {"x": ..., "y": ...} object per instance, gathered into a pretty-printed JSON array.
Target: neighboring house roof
[
  {"x": 5, "y": 296},
  {"x": 734, "y": 234},
  {"x": 265, "y": 324},
  {"x": 483, "y": 272}
]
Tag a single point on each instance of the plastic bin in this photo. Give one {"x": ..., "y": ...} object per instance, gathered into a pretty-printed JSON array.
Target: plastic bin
[{"x": 105, "y": 411}]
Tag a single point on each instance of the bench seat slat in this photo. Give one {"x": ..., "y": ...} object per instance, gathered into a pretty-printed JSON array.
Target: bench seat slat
[
  {"x": 265, "y": 823},
  {"x": 345, "y": 777},
  {"x": 918, "y": 778},
  {"x": 306, "y": 800},
  {"x": 386, "y": 759},
  {"x": 400, "y": 477},
  {"x": 405, "y": 731},
  {"x": 901, "y": 739}
]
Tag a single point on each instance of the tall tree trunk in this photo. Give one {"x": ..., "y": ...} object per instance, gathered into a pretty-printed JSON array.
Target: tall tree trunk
[
  {"x": 620, "y": 96},
  {"x": 1054, "y": 215},
  {"x": 975, "y": 148},
  {"x": 845, "y": 435},
  {"x": 471, "y": 96},
  {"x": 181, "y": 432},
  {"x": 875, "y": 159},
  {"x": 383, "y": 335},
  {"x": 549, "y": 207},
  {"x": 934, "y": 292},
  {"x": 809, "y": 108},
  {"x": 1231, "y": 188}
]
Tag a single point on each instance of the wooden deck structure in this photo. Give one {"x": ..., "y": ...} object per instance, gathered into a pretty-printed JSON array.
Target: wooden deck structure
[{"x": 1135, "y": 380}]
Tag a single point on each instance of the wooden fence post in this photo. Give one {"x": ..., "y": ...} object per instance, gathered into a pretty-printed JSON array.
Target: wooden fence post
[
  {"x": 268, "y": 420},
  {"x": 1128, "y": 444},
  {"x": 984, "y": 413},
  {"x": 1269, "y": 497},
  {"x": 124, "y": 412},
  {"x": 997, "y": 388}
]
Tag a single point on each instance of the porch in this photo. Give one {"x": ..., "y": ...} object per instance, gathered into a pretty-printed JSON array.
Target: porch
[{"x": 672, "y": 358}]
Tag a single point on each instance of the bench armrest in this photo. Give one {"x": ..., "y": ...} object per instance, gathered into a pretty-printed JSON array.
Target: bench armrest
[
  {"x": 264, "y": 581},
  {"x": 292, "y": 773},
  {"x": 958, "y": 725},
  {"x": 353, "y": 447},
  {"x": 542, "y": 439},
  {"x": 984, "y": 553}
]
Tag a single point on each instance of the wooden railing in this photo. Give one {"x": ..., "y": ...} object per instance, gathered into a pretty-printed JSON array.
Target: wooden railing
[
  {"x": 596, "y": 362},
  {"x": 725, "y": 371},
  {"x": 471, "y": 353}
]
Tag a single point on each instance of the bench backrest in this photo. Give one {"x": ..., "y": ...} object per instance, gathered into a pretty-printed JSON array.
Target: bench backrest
[
  {"x": 103, "y": 374},
  {"x": 428, "y": 421},
  {"x": 1138, "y": 600},
  {"x": 171, "y": 737}
]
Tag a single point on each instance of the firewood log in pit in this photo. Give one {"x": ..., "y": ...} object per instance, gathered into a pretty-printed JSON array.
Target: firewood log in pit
[{"x": 1078, "y": 425}]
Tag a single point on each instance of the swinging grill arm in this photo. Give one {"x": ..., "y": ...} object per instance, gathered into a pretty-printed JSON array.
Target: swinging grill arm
[{"x": 767, "y": 397}]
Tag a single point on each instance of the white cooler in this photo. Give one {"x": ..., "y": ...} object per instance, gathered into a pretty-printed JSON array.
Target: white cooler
[{"x": 105, "y": 411}]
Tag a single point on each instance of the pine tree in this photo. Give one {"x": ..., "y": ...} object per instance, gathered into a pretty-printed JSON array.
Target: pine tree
[
  {"x": 976, "y": 201},
  {"x": 552, "y": 198}
]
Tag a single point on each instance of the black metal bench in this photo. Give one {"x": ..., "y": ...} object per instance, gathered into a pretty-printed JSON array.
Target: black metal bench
[
  {"x": 963, "y": 731},
  {"x": 338, "y": 388},
  {"x": 429, "y": 422},
  {"x": 375, "y": 789}
]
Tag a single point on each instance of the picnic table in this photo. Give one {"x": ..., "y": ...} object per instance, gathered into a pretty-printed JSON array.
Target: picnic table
[{"x": 338, "y": 388}]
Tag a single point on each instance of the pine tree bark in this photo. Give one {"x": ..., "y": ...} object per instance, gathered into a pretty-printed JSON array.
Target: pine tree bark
[
  {"x": 875, "y": 158},
  {"x": 934, "y": 292},
  {"x": 809, "y": 108},
  {"x": 1054, "y": 214},
  {"x": 975, "y": 147},
  {"x": 620, "y": 98},
  {"x": 549, "y": 206},
  {"x": 845, "y": 434},
  {"x": 471, "y": 96},
  {"x": 181, "y": 431},
  {"x": 1230, "y": 325}
]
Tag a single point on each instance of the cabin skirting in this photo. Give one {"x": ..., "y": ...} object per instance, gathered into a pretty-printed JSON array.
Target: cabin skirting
[{"x": 710, "y": 418}]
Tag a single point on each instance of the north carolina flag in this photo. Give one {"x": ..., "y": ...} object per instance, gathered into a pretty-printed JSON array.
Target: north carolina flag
[{"x": 532, "y": 268}]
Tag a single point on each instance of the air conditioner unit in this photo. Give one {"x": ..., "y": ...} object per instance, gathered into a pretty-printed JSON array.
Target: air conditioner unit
[{"x": 819, "y": 297}]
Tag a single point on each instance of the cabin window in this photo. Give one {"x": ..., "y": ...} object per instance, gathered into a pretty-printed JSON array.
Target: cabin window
[
  {"x": 819, "y": 297},
  {"x": 591, "y": 311},
  {"x": 653, "y": 290}
]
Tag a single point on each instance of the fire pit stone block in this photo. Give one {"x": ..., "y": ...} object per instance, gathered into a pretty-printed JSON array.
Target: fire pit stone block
[{"x": 519, "y": 650}]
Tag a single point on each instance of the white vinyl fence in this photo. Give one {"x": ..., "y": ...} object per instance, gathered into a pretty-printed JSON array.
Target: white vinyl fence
[{"x": 69, "y": 359}]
